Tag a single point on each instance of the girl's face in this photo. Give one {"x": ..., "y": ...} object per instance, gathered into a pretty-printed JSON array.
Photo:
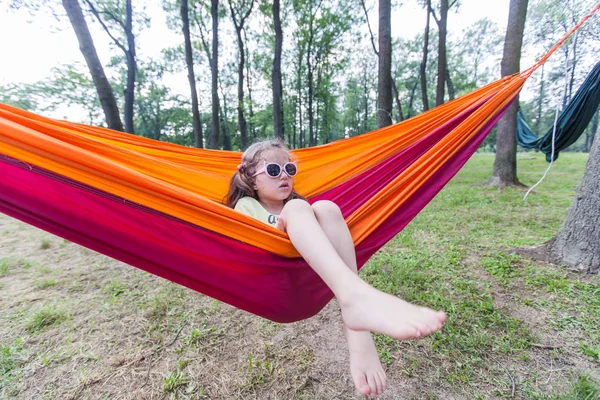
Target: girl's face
[{"x": 273, "y": 189}]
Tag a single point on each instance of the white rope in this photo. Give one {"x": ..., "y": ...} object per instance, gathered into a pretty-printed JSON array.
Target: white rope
[{"x": 551, "y": 156}]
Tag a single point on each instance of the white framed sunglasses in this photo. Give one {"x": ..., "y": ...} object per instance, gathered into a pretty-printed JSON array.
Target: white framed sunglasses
[{"x": 274, "y": 170}]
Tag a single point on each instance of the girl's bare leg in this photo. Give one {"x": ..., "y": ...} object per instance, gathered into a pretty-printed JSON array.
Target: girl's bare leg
[
  {"x": 365, "y": 367},
  {"x": 363, "y": 307}
]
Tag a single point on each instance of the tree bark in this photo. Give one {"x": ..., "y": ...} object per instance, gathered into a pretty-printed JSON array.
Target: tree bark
[
  {"x": 572, "y": 65},
  {"x": 214, "y": 10},
  {"x": 540, "y": 102},
  {"x": 131, "y": 68},
  {"x": 589, "y": 138},
  {"x": 577, "y": 243},
  {"x": 397, "y": 98},
  {"x": 505, "y": 164},
  {"x": 311, "y": 133},
  {"x": 366, "y": 101},
  {"x": 276, "y": 74},
  {"x": 238, "y": 29},
  {"x": 451, "y": 91},
  {"x": 189, "y": 61},
  {"x": 384, "y": 87},
  {"x": 87, "y": 48},
  {"x": 250, "y": 108},
  {"x": 423, "y": 66},
  {"x": 442, "y": 63}
]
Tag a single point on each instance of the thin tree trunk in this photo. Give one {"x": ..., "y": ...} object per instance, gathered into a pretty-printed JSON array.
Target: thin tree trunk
[
  {"x": 248, "y": 84},
  {"x": 540, "y": 102},
  {"x": 311, "y": 134},
  {"x": 299, "y": 103},
  {"x": 299, "y": 99},
  {"x": 451, "y": 92},
  {"x": 423, "y": 66},
  {"x": 505, "y": 164},
  {"x": 131, "y": 68},
  {"x": 239, "y": 26},
  {"x": 214, "y": 139},
  {"x": 384, "y": 87},
  {"x": 189, "y": 61},
  {"x": 442, "y": 63},
  {"x": 276, "y": 74},
  {"x": 88, "y": 50},
  {"x": 572, "y": 66},
  {"x": 397, "y": 97},
  {"x": 412, "y": 97},
  {"x": 366, "y": 100}
]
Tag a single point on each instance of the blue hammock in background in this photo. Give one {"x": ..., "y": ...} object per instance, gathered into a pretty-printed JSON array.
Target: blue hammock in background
[{"x": 571, "y": 122}]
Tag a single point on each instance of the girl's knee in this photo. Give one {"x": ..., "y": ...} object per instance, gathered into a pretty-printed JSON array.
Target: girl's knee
[
  {"x": 296, "y": 206},
  {"x": 326, "y": 208}
]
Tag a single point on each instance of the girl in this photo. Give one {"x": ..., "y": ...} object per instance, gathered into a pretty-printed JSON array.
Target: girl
[{"x": 263, "y": 188}]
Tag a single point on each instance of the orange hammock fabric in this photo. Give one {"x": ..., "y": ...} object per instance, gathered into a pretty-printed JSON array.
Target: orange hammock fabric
[{"x": 140, "y": 200}]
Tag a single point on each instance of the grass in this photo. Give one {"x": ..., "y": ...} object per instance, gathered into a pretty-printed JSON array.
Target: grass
[
  {"x": 44, "y": 318},
  {"x": 515, "y": 324}
]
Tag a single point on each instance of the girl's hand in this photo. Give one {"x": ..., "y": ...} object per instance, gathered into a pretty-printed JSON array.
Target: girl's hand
[{"x": 281, "y": 225}]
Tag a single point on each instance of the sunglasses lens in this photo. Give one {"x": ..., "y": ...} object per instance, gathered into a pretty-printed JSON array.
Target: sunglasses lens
[
  {"x": 273, "y": 170},
  {"x": 291, "y": 169}
]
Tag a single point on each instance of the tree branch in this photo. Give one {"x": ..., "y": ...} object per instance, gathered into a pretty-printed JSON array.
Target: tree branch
[
  {"x": 97, "y": 15},
  {"x": 435, "y": 18},
  {"x": 204, "y": 43},
  {"x": 362, "y": 2}
]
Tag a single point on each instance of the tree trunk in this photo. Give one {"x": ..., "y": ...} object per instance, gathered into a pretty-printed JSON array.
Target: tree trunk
[
  {"x": 366, "y": 100},
  {"x": 384, "y": 87},
  {"x": 224, "y": 120},
  {"x": 87, "y": 48},
  {"x": 505, "y": 164},
  {"x": 540, "y": 103},
  {"x": 311, "y": 134},
  {"x": 238, "y": 29},
  {"x": 189, "y": 61},
  {"x": 423, "y": 66},
  {"x": 451, "y": 92},
  {"x": 572, "y": 66},
  {"x": 442, "y": 64},
  {"x": 397, "y": 98},
  {"x": 131, "y": 68},
  {"x": 412, "y": 97},
  {"x": 214, "y": 139},
  {"x": 589, "y": 139},
  {"x": 577, "y": 243},
  {"x": 241, "y": 118},
  {"x": 299, "y": 100},
  {"x": 276, "y": 76},
  {"x": 250, "y": 107}
]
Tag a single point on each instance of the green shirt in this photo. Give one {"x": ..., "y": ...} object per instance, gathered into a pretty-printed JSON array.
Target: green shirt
[{"x": 251, "y": 207}]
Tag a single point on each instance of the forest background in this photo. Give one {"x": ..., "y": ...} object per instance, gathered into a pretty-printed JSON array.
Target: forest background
[{"x": 329, "y": 67}]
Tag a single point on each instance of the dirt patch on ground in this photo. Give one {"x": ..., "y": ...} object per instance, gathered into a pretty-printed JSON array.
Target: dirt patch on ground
[{"x": 126, "y": 334}]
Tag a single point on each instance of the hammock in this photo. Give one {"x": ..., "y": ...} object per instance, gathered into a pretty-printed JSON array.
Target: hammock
[
  {"x": 570, "y": 124},
  {"x": 157, "y": 206}
]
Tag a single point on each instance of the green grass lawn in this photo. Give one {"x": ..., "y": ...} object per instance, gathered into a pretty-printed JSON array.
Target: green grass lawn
[{"x": 75, "y": 324}]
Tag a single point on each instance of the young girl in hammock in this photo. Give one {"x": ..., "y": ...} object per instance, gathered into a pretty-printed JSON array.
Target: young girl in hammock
[{"x": 263, "y": 188}]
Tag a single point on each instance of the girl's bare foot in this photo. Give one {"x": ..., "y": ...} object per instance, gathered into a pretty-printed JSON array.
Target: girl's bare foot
[
  {"x": 368, "y": 309},
  {"x": 365, "y": 367}
]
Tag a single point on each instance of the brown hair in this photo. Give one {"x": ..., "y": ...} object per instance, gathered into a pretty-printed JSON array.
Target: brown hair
[{"x": 242, "y": 182}]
